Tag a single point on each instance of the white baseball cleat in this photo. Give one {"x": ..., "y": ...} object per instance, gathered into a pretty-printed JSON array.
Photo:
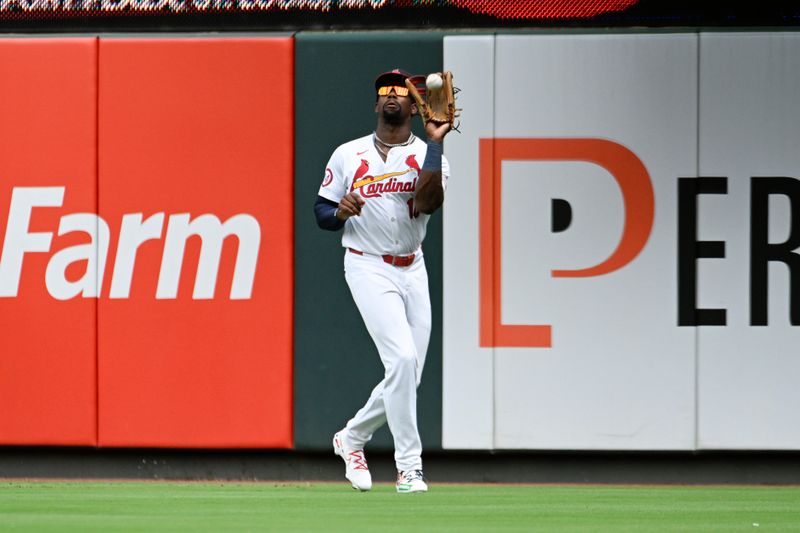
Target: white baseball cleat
[
  {"x": 356, "y": 469},
  {"x": 411, "y": 481}
]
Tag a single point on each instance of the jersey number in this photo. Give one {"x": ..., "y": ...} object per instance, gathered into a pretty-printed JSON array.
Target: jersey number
[{"x": 412, "y": 212}]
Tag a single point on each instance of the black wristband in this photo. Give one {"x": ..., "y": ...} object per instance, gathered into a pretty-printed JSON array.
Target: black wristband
[{"x": 433, "y": 157}]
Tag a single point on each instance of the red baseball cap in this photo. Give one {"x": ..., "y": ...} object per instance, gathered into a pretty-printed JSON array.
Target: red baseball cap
[{"x": 393, "y": 77}]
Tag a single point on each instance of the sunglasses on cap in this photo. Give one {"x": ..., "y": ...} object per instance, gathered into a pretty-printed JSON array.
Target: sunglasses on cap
[{"x": 399, "y": 91}]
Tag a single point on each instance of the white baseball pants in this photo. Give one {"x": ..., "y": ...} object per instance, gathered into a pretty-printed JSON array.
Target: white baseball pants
[{"x": 395, "y": 305}]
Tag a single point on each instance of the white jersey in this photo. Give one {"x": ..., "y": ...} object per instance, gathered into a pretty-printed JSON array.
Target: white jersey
[{"x": 388, "y": 223}]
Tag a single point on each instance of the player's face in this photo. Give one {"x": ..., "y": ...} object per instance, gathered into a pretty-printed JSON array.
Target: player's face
[{"x": 393, "y": 107}]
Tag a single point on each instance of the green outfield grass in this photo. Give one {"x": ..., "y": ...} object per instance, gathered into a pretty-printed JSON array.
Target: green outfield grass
[{"x": 206, "y": 507}]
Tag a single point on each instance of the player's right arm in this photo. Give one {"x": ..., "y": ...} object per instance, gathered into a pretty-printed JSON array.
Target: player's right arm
[
  {"x": 334, "y": 204},
  {"x": 326, "y": 213},
  {"x": 349, "y": 206}
]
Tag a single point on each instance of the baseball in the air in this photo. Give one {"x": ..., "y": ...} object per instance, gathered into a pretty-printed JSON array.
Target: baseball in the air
[{"x": 434, "y": 81}]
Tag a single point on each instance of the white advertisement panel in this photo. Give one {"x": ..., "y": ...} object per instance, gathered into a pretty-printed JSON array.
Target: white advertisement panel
[
  {"x": 749, "y": 364},
  {"x": 622, "y": 243},
  {"x": 468, "y": 382},
  {"x": 575, "y": 247}
]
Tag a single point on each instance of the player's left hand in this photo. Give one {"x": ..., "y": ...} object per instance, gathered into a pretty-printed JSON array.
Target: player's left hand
[{"x": 437, "y": 130}]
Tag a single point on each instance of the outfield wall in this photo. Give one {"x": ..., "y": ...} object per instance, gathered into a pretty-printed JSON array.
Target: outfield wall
[
  {"x": 153, "y": 227},
  {"x": 622, "y": 235},
  {"x": 120, "y": 156},
  {"x": 601, "y": 283},
  {"x": 336, "y": 364}
]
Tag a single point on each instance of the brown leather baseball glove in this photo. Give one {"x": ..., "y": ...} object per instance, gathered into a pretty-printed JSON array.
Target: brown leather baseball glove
[{"x": 438, "y": 104}]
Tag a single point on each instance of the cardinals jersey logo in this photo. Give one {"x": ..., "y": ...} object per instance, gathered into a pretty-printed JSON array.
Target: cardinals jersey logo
[{"x": 375, "y": 186}]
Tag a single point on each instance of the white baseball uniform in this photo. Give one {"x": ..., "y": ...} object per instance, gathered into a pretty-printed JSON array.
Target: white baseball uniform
[{"x": 393, "y": 298}]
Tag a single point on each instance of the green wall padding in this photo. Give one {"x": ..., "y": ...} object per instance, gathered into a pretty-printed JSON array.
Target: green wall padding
[{"x": 336, "y": 363}]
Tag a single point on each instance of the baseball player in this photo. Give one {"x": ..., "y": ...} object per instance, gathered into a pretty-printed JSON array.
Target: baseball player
[{"x": 382, "y": 189}]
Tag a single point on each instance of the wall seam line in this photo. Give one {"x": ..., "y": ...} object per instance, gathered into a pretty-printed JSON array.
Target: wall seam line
[
  {"x": 697, "y": 328},
  {"x": 98, "y": 273}
]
